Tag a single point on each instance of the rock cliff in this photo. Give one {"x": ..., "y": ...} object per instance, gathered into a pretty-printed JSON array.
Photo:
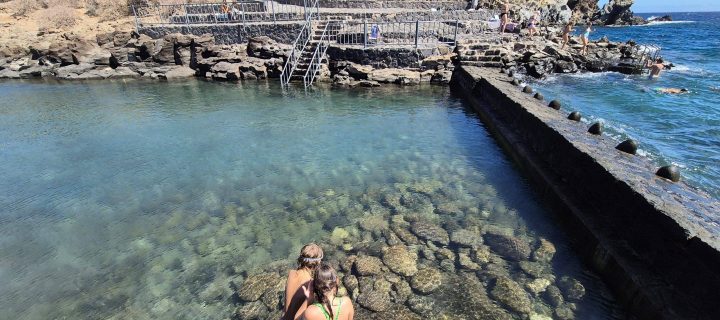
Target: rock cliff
[{"x": 615, "y": 12}]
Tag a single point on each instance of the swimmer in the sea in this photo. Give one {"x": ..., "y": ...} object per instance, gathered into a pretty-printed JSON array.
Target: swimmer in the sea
[
  {"x": 655, "y": 67},
  {"x": 716, "y": 89},
  {"x": 671, "y": 90}
]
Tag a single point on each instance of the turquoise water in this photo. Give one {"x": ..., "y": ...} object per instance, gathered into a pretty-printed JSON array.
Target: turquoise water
[
  {"x": 678, "y": 129},
  {"x": 145, "y": 200}
]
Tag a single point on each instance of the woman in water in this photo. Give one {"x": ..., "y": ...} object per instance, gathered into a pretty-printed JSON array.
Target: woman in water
[
  {"x": 566, "y": 33},
  {"x": 586, "y": 38},
  {"x": 300, "y": 280},
  {"x": 328, "y": 305}
]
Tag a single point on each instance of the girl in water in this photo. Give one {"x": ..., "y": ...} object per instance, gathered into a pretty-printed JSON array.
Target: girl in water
[
  {"x": 328, "y": 305},
  {"x": 300, "y": 280},
  {"x": 586, "y": 38}
]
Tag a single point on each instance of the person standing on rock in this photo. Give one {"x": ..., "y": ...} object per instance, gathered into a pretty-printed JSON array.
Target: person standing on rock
[
  {"x": 566, "y": 33},
  {"x": 328, "y": 306},
  {"x": 504, "y": 17},
  {"x": 586, "y": 38},
  {"x": 532, "y": 25},
  {"x": 300, "y": 280}
]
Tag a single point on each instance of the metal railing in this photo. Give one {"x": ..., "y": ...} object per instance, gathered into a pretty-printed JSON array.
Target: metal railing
[
  {"x": 415, "y": 34},
  {"x": 644, "y": 54},
  {"x": 312, "y": 9},
  {"x": 297, "y": 50},
  {"x": 237, "y": 12},
  {"x": 256, "y": 11}
]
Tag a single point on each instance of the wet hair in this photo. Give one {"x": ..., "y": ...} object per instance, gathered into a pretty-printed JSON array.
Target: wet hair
[
  {"x": 659, "y": 60},
  {"x": 683, "y": 90},
  {"x": 325, "y": 281},
  {"x": 310, "y": 256}
]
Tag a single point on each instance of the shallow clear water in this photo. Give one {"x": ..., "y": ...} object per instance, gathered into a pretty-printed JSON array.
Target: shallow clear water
[
  {"x": 146, "y": 200},
  {"x": 679, "y": 129}
]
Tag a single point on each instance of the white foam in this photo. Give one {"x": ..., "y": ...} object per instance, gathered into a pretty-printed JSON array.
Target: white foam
[{"x": 655, "y": 23}]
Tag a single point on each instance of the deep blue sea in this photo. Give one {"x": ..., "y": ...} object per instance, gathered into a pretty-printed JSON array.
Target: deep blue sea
[{"x": 680, "y": 129}]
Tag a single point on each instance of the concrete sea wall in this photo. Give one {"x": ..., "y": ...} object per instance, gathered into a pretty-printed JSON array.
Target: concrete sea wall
[{"x": 654, "y": 242}]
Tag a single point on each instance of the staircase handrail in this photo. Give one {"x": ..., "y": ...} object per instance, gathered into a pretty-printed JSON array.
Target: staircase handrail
[
  {"x": 317, "y": 57},
  {"x": 297, "y": 49}
]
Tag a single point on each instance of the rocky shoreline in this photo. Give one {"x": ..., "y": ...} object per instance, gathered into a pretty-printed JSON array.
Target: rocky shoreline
[{"x": 131, "y": 55}]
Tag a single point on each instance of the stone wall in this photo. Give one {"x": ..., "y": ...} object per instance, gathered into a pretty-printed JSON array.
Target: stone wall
[
  {"x": 654, "y": 242},
  {"x": 231, "y": 34}
]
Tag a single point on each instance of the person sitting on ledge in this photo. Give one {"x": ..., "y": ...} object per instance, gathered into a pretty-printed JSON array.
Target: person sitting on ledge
[
  {"x": 300, "y": 280},
  {"x": 671, "y": 90},
  {"x": 328, "y": 306}
]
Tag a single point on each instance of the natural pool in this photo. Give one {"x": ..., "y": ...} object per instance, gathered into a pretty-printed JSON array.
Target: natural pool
[{"x": 145, "y": 200}]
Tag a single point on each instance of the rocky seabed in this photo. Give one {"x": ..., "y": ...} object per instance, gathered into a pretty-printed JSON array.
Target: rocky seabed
[{"x": 414, "y": 266}]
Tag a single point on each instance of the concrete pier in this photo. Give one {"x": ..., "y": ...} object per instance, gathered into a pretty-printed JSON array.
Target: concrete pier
[{"x": 654, "y": 242}]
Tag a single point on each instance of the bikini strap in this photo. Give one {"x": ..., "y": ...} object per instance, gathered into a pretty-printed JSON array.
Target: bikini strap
[
  {"x": 322, "y": 308},
  {"x": 339, "y": 308}
]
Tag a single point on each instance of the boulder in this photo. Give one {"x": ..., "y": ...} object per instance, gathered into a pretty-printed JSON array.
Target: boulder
[
  {"x": 226, "y": 71},
  {"x": 368, "y": 265},
  {"x": 374, "y": 300},
  {"x": 426, "y": 280},
  {"x": 565, "y": 67},
  {"x": 430, "y": 232},
  {"x": 571, "y": 288},
  {"x": 358, "y": 71},
  {"x": 544, "y": 252},
  {"x": 508, "y": 246},
  {"x": 466, "y": 238},
  {"x": 178, "y": 72},
  {"x": 256, "y": 285},
  {"x": 510, "y": 293},
  {"x": 393, "y": 75},
  {"x": 400, "y": 260},
  {"x": 265, "y": 48},
  {"x": 252, "y": 311}
]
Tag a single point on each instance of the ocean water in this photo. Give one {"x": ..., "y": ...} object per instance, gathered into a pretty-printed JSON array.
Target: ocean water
[
  {"x": 672, "y": 129},
  {"x": 149, "y": 200}
]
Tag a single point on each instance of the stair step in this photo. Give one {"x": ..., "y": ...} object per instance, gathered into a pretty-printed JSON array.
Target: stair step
[{"x": 483, "y": 64}]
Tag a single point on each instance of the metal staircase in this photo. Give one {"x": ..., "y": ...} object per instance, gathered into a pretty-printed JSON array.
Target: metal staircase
[{"x": 308, "y": 55}]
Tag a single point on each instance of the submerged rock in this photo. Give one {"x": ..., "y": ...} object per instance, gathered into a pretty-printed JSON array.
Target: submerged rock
[
  {"x": 571, "y": 288},
  {"x": 405, "y": 235},
  {"x": 255, "y": 286},
  {"x": 426, "y": 280},
  {"x": 538, "y": 286},
  {"x": 553, "y": 296},
  {"x": 400, "y": 260},
  {"x": 251, "y": 311},
  {"x": 368, "y": 265},
  {"x": 466, "y": 238},
  {"x": 508, "y": 246},
  {"x": 511, "y": 294},
  {"x": 430, "y": 232},
  {"x": 374, "y": 300},
  {"x": 545, "y": 251}
]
